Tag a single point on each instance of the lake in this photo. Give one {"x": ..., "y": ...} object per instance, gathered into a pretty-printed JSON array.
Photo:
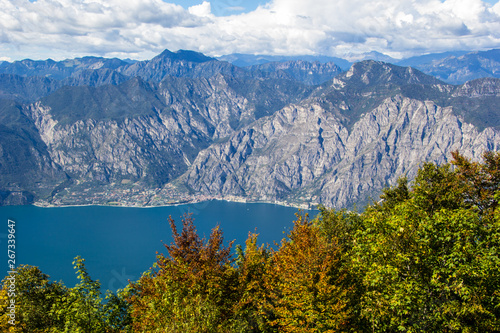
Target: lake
[{"x": 119, "y": 243}]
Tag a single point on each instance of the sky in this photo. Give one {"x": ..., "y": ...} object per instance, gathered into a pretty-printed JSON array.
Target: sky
[{"x": 141, "y": 29}]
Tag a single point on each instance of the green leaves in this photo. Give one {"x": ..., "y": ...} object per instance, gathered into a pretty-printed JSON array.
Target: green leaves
[
  {"x": 81, "y": 308},
  {"x": 423, "y": 259},
  {"x": 35, "y": 297},
  {"x": 426, "y": 259},
  {"x": 45, "y": 306}
]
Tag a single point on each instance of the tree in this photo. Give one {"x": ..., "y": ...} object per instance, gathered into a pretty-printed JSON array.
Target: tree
[
  {"x": 191, "y": 289},
  {"x": 251, "y": 311},
  {"x": 81, "y": 308},
  {"x": 338, "y": 228},
  {"x": 45, "y": 306},
  {"x": 428, "y": 261},
  {"x": 35, "y": 296},
  {"x": 117, "y": 311},
  {"x": 304, "y": 282},
  {"x": 480, "y": 181}
]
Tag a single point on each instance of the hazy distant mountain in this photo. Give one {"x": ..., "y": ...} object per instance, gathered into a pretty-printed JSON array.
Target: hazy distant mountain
[
  {"x": 428, "y": 58},
  {"x": 26, "y": 89},
  {"x": 191, "y": 124},
  {"x": 307, "y": 72},
  {"x": 58, "y": 69},
  {"x": 245, "y": 60},
  {"x": 458, "y": 69},
  {"x": 373, "y": 55},
  {"x": 180, "y": 64},
  {"x": 454, "y": 67}
]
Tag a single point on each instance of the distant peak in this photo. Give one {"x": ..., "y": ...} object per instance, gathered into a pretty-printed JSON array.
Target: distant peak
[
  {"x": 373, "y": 55},
  {"x": 186, "y": 55},
  {"x": 372, "y": 72},
  {"x": 370, "y": 65}
]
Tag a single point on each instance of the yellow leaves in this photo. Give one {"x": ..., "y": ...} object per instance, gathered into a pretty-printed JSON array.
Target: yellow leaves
[{"x": 303, "y": 282}]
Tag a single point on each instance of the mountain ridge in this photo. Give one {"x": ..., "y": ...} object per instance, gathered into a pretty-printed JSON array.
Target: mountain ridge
[
  {"x": 452, "y": 67},
  {"x": 172, "y": 130}
]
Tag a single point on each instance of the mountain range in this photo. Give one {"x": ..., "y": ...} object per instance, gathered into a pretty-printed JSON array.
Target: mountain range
[
  {"x": 455, "y": 67},
  {"x": 184, "y": 126}
]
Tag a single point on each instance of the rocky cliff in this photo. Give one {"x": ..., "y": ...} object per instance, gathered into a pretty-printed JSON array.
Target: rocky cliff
[
  {"x": 187, "y": 127},
  {"x": 349, "y": 140},
  {"x": 312, "y": 73},
  {"x": 144, "y": 131},
  {"x": 304, "y": 153}
]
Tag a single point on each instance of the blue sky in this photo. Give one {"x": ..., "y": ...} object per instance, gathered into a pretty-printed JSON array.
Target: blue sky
[
  {"x": 225, "y": 7},
  {"x": 141, "y": 29}
]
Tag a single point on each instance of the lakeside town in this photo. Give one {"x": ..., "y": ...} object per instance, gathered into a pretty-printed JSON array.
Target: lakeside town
[{"x": 128, "y": 194}]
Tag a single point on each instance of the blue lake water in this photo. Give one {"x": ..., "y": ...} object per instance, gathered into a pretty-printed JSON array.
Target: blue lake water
[{"x": 120, "y": 243}]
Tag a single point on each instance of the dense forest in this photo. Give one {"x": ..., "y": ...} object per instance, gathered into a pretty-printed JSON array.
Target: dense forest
[{"x": 424, "y": 258}]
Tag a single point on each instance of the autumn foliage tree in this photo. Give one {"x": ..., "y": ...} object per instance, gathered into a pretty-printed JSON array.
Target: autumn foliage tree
[
  {"x": 251, "y": 313},
  {"x": 425, "y": 258},
  {"x": 190, "y": 289},
  {"x": 304, "y": 282}
]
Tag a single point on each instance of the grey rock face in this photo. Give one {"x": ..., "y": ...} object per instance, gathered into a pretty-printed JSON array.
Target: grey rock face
[
  {"x": 109, "y": 149},
  {"x": 304, "y": 153},
  {"x": 478, "y": 88},
  {"x": 263, "y": 137},
  {"x": 139, "y": 131}
]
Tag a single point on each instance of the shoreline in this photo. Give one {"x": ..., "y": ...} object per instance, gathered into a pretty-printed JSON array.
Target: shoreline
[{"x": 297, "y": 206}]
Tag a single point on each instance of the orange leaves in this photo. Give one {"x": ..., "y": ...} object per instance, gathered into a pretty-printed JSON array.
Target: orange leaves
[
  {"x": 304, "y": 282},
  {"x": 195, "y": 281},
  {"x": 294, "y": 289}
]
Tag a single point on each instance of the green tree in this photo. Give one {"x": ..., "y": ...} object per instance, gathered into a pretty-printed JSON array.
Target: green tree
[
  {"x": 117, "y": 311},
  {"x": 338, "y": 228},
  {"x": 45, "y": 306},
  {"x": 427, "y": 260},
  {"x": 35, "y": 296},
  {"x": 479, "y": 181},
  {"x": 81, "y": 308}
]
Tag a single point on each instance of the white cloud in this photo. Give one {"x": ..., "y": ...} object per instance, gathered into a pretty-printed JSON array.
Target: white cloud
[
  {"x": 78, "y": 27},
  {"x": 203, "y": 10},
  {"x": 397, "y": 27},
  {"x": 143, "y": 28}
]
